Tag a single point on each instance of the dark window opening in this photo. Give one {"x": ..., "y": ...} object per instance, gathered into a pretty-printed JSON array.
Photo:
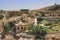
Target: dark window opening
[
  {"x": 21, "y": 27},
  {"x": 18, "y": 28}
]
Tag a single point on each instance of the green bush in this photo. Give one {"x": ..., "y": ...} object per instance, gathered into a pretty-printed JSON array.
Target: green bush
[
  {"x": 1, "y": 16},
  {"x": 38, "y": 31},
  {"x": 39, "y": 19}
]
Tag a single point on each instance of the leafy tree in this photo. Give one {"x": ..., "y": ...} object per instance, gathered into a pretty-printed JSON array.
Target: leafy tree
[
  {"x": 12, "y": 23},
  {"x": 9, "y": 27},
  {"x": 12, "y": 26},
  {"x": 38, "y": 31},
  {"x": 6, "y": 27},
  {"x": 39, "y": 19}
]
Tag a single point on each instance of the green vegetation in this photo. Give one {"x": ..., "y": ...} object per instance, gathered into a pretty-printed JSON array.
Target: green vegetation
[
  {"x": 48, "y": 25},
  {"x": 9, "y": 27},
  {"x": 54, "y": 10},
  {"x": 51, "y": 26},
  {"x": 38, "y": 31},
  {"x": 39, "y": 19},
  {"x": 6, "y": 27},
  {"x": 12, "y": 26},
  {"x": 42, "y": 16},
  {"x": 1, "y": 16}
]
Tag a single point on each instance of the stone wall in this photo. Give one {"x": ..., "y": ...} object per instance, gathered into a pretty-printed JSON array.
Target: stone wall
[{"x": 53, "y": 36}]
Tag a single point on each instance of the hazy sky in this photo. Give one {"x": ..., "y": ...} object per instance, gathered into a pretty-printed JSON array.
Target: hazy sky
[{"x": 23, "y": 4}]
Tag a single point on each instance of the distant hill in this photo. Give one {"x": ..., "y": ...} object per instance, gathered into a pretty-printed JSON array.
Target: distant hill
[{"x": 49, "y": 9}]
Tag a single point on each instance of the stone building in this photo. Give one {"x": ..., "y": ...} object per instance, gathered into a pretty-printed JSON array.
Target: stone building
[
  {"x": 24, "y": 22},
  {"x": 21, "y": 26}
]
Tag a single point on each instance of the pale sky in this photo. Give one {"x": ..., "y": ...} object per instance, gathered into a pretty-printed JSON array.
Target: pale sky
[{"x": 23, "y": 4}]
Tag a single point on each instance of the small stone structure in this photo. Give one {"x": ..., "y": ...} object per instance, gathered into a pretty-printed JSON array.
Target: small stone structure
[{"x": 21, "y": 26}]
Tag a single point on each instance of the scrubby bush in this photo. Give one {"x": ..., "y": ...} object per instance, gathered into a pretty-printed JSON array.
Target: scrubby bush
[{"x": 1, "y": 16}]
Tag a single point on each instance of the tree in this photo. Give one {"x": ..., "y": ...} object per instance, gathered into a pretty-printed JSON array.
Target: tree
[
  {"x": 38, "y": 31},
  {"x": 12, "y": 23},
  {"x": 39, "y": 19},
  {"x": 6, "y": 28},
  {"x": 12, "y": 26},
  {"x": 9, "y": 27},
  {"x": 1, "y": 16}
]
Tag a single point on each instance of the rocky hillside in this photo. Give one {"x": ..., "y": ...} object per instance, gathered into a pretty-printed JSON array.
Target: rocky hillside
[{"x": 50, "y": 9}]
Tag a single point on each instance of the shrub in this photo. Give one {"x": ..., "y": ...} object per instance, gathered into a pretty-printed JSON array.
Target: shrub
[{"x": 1, "y": 16}]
